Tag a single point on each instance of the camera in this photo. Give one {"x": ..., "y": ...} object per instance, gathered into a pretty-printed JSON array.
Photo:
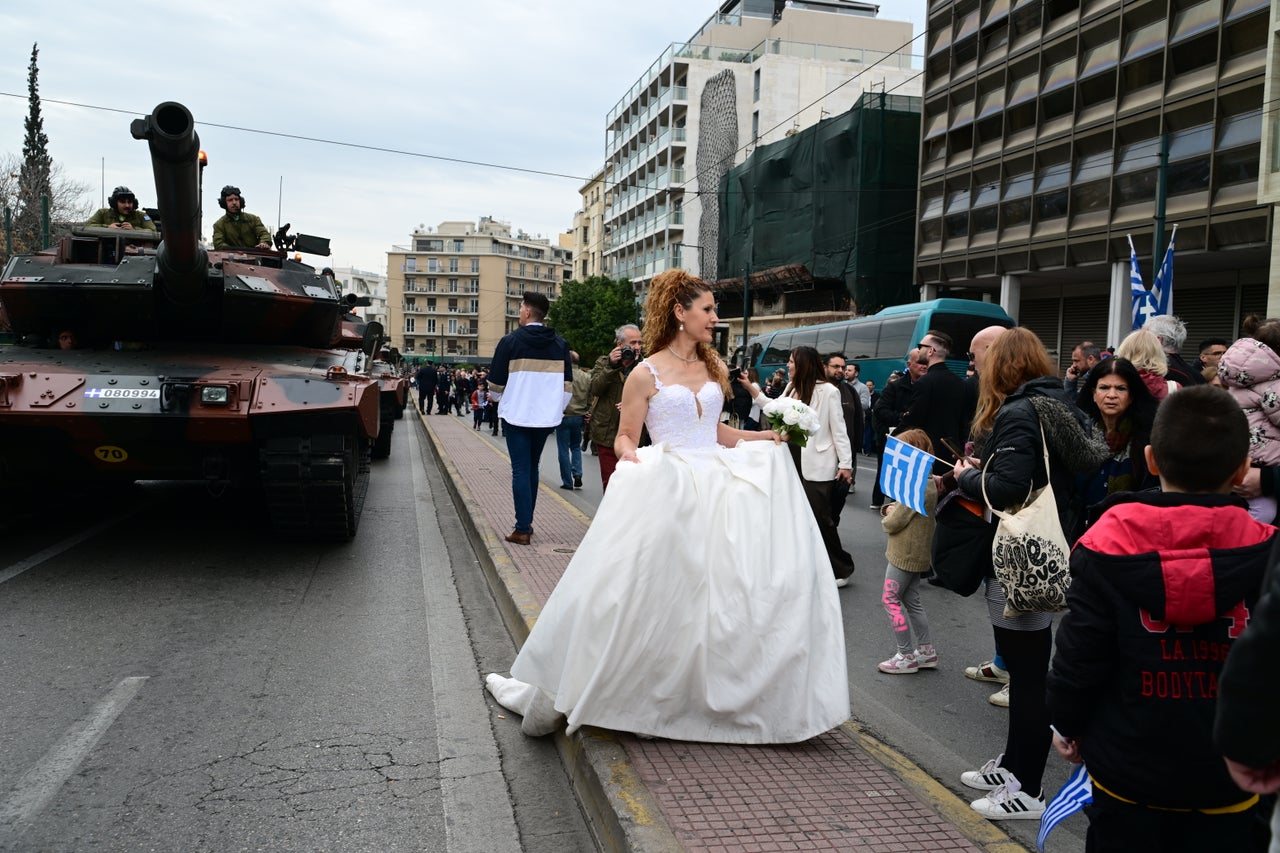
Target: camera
[{"x": 627, "y": 354}]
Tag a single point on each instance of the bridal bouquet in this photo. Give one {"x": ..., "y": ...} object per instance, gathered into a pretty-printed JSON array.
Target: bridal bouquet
[{"x": 789, "y": 417}]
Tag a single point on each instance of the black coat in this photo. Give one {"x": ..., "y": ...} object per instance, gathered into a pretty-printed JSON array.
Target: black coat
[
  {"x": 852, "y": 408},
  {"x": 887, "y": 411},
  {"x": 1248, "y": 691},
  {"x": 938, "y": 404}
]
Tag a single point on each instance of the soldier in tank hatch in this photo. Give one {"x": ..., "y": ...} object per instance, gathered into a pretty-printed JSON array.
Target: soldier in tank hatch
[
  {"x": 122, "y": 212},
  {"x": 235, "y": 227}
]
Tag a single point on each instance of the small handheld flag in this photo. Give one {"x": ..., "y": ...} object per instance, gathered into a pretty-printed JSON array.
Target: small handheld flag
[
  {"x": 1074, "y": 796},
  {"x": 905, "y": 473}
]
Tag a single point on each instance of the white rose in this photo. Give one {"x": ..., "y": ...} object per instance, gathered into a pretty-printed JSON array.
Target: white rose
[{"x": 791, "y": 417}]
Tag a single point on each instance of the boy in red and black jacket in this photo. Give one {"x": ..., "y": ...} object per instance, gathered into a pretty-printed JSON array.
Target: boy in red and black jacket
[{"x": 1163, "y": 584}]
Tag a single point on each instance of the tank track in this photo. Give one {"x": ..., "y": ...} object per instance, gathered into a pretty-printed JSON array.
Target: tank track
[{"x": 315, "y": 486}]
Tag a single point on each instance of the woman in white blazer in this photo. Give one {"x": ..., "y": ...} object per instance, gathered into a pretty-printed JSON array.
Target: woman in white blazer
[{"x": 828, "y": 455}]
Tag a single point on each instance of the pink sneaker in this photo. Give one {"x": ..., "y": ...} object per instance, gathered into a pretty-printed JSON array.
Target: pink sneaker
[
  {"x": 899, "y": 664},
  {"x": 925, "y": 660}
]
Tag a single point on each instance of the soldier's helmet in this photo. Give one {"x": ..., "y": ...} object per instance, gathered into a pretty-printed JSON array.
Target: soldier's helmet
[{"x": 230, "y": 190}]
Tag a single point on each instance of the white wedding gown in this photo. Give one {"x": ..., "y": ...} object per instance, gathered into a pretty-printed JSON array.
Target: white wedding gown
[{"x": 699, "y": 606}]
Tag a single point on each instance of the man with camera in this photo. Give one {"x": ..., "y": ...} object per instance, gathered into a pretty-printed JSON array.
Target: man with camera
[{"x": 607, "y": 378}]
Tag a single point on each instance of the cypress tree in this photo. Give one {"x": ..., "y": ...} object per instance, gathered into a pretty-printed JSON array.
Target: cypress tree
[{"x": 34, "y": 178}]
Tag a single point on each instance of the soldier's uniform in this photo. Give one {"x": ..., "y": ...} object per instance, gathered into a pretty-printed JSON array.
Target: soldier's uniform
[
  {"x": 107, "y": 217},
  {"x": 243, "y": 229}
]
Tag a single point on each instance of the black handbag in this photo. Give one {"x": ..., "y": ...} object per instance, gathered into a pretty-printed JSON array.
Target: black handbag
[{"x": 961, "y": 545}]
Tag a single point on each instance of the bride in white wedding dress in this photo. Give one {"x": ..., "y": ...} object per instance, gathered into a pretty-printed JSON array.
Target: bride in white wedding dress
[{"x": 700, "y": 605}]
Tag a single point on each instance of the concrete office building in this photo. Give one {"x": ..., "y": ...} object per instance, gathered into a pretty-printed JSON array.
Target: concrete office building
[
  {"x": 756, "y": 70},
  {"x": 1043, "y": 131},
  {"x": 1269, "y": 174},
  {"x": 455, "y": 290}
]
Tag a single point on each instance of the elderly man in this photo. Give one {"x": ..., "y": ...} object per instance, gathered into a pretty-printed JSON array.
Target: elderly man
[
  {"x": 607, "y": 378},
  {"x": 1172, "y": 333},
  {"x": 531, "y": 377}
]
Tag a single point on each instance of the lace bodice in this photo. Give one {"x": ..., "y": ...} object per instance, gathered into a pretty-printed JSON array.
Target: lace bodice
[{"x": 673, "y": 413}]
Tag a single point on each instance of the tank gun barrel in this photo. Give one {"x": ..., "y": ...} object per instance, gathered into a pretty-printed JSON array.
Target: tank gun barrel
[{"x": 175, "y": 149}]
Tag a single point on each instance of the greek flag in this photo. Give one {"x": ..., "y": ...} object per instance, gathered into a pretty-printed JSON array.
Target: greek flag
[
  {"x": 1162, "y": 290},
  {"x": 1143, "y": 302},
  {"x": 1075, "y": 795},
  {"x": 905, "y": 473}
]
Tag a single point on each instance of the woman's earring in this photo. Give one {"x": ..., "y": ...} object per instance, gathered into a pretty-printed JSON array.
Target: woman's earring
[{"x": 682, "y": 327}]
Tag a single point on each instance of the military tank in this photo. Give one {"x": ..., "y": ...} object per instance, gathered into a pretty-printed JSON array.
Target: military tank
[{"x": 185, "y": 363}]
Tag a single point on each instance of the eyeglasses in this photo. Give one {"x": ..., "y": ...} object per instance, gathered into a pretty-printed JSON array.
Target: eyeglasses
[{"x": 922, "y": 345}]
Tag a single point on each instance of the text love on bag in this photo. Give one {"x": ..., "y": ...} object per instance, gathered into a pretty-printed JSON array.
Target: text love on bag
[{"x": 1030, "y": 553}]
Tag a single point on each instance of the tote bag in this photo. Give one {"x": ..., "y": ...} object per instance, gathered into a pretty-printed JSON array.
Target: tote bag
[{"x": 1030, "y": 555}]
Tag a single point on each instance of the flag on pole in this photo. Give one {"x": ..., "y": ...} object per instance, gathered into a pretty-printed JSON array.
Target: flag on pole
[
  {"x": 1143, "y": 303},
  {"x": 905, "y": 473},
  {"x": 1074, "y": 796},
  {"x": 1162, "y": 290}
]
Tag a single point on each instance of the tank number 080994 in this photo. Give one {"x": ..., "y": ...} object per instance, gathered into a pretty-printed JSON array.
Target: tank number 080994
[
  {"x": 134, "y": 393},
  {"x": 110, "y": 453}
]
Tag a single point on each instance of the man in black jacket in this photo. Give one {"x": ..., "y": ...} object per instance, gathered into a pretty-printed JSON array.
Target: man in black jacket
[
  {"x": 939, "y": 404},
  {"x": 426, "y": 379},
  {"x": 851, "y": 406},
  {"x": 1163, "y": 584}
]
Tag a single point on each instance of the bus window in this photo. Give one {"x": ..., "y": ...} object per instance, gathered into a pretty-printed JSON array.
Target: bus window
[
  {"x": 830, "y": 340},
  {"x": 861, "y": 340},
  {"x": 805, "y": 338},
  {"x": 896, "y": 337},
  {"x": 779, "y": 349}
]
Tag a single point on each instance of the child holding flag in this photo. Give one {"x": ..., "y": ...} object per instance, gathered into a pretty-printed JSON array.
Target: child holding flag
[{"x": 908, "y": 549}]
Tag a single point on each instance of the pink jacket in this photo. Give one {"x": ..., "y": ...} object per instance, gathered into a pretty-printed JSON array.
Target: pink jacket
[{"x": 1250, "y": 370}]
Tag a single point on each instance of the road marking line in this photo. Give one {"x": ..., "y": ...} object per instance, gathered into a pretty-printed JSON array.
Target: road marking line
[
  {"x": 65, "y": 545},
  {"x": 39, "y": 785}
]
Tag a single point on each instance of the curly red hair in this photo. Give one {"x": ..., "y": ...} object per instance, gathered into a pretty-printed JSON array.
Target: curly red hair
[{"x": 666, "y": 290}]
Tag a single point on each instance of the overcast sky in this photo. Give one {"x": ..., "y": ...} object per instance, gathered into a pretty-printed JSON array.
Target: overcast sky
[{"x": 524, "y": 84}]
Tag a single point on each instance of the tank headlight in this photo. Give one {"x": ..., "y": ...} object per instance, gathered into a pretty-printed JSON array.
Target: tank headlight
[{"x": 214, "y": 395}]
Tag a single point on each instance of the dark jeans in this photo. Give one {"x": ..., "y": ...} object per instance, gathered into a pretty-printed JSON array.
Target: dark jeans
[
  {"x": 424, "y": 399},
  {"x": 877, "y": 496},
  {"x": 819, "y": 496},
  {"x": 839, "y": 493},
  {"x": 1119, "y": 827},
  {"x": 524, "y": 445},
  {"x": 1026, "y": 748},
  {"x": 569, "y": 448}
]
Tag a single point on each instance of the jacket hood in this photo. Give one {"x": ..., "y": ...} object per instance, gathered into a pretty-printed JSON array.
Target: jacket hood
[
  {"x": 1164, "y": 555},
  {"x": 1247, "y": 363}
]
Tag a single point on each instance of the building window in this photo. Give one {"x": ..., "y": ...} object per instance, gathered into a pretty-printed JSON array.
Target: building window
[
  {"x": 453, "y": 285},
  {"x": 431, "y": 325},
  {"x": 433, "y": 265},
  {"x": 755, "y": 86},
  {"x": 453, "y": 265},
  {"x": 457, "y": 245},
  {"x": 475, "y": 306},
  {"x": 475, "y": 265},
  {"x": 410, "y": 264},
  {"x": 755, "y": 125},
  {"x": 408, "y": 324},
  {"x": 431, "y": 303},
  {"x": 431, "y": 285},
  {"x": 410, "y": 304}
]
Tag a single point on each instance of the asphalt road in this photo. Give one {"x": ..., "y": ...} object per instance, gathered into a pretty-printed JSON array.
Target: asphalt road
[
  {"x": 940, "y": 719},
  {"x": 175, "y": 679}
]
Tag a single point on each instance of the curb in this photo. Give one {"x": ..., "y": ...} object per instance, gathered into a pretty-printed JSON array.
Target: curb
[{"x": 623, "y": 815}]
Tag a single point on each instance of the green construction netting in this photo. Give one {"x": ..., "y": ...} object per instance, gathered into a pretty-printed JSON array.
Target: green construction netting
[{"x": 838, "y": 197}]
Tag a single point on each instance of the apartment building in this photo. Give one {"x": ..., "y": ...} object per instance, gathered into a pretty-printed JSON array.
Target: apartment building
[
  {"x": 365, "y": 283},
  {"x": 588, "y": 229},
  {"x": 755, "y": 71},
  {"x": 1053, "y": 129},
  {"x": 455, "y": 290},
  {"x": 1269, "y": 176}
]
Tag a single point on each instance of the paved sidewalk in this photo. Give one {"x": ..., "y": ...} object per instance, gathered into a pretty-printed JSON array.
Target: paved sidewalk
[{"x": 841, "y": 791}]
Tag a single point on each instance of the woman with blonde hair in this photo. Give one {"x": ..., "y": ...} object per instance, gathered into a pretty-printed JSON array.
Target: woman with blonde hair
[
  {"x": 1143, "y": 349},
  {"x": 1020, "y": 399},
  {"x": 699, "y": 605}
]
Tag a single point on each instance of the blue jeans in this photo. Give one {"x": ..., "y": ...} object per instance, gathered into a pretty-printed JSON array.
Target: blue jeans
[
  {"x": 524, "y": 445},
  {"x": 569, "y": 445}
]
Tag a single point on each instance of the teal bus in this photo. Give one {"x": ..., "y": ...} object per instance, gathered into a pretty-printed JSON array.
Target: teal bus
[{"x": 879, "y": 343}]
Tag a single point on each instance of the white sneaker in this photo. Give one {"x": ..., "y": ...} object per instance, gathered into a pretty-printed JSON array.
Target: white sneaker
[
  {"x": 987, "y": 671},
  {"x": 841, "y": 583},
  {"x": 988, "y": 777},
  {"x": 1000, "y": 698},
  {"x": 1004, "y": 803}
]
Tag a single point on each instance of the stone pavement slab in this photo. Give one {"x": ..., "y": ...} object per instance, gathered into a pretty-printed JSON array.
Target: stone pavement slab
[{"x": 843, "y": 790}]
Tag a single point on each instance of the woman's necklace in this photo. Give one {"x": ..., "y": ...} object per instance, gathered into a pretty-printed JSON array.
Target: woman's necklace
[{"x": 682, "y": 358}]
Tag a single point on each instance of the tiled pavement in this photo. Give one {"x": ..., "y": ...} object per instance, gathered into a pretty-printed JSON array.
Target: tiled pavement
[{"x": 841, "y": 791}]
